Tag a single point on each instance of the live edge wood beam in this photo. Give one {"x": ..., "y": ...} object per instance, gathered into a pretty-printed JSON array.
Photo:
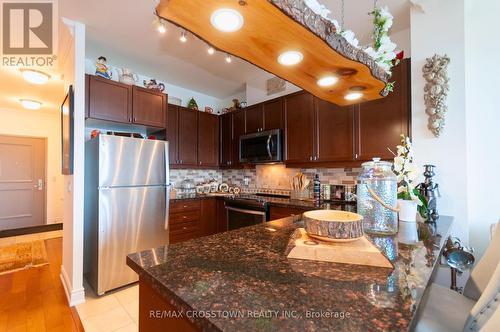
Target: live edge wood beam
[{"x": 274, "y": 26}]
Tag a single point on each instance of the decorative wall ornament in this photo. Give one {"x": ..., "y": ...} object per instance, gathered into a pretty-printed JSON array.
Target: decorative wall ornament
[
  {"x": 275, "y": 85},
  {"x": 435, "y": 73}
]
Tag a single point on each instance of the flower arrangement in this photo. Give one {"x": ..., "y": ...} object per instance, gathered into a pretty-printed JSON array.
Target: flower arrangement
[
  {"x": 406, "y": 171},
  {"x": 383, "y": 50}
]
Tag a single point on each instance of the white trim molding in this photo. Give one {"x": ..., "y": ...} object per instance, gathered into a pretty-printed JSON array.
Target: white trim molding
[{"x": 74, "y": 296}]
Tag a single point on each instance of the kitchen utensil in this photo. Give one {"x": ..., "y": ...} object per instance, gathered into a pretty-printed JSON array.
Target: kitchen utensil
[
  {"x": 199, "y": 190},
  {"x": 236, "y": 190},
  {"x": 333, "y": 225}
]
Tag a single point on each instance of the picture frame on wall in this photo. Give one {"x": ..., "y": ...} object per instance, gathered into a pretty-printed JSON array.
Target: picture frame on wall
[{"x": 67, "y": 132}]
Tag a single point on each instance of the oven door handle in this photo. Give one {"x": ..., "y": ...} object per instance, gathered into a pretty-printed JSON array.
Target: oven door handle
[
  {"x": 268, "y": 146},
  {"x": 259, "y": 213}
]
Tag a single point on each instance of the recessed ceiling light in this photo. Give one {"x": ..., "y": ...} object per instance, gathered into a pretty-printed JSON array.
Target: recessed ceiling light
[
  {"x": 353, "y": 95},
  {"x": 183, "y": 37},
  {"x": 35, "y": 76},
  {"x": 290, "y": 58},
  {"x": 327, "y": 81},
  {"x": 228, "y": 58},
  {"x": 211, "y": 50},
  {"x": 30, "y": 104},
  {"x": 227, "y": 20}
]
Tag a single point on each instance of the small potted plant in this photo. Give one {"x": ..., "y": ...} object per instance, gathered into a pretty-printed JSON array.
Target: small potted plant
[{"x": 409, "y": 198}]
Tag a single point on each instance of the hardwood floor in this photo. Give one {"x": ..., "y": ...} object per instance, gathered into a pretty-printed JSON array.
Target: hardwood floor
[{"x": 34, "y": 299}]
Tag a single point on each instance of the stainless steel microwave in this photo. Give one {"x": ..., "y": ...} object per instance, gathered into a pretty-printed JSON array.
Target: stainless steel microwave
[{"x": 261, "y": 147}]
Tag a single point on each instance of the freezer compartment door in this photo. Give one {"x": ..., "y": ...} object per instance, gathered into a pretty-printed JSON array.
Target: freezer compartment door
[
  {"x": 125, "y": 161},
  {"x": 130, "y": 220}
]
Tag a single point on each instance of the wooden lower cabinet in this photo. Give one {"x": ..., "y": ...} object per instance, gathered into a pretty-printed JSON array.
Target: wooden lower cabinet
[
  {"x": 221, "y": 216},
  {"x": 152, "y": 307},
  {"x": 278, "y": 212},
  {"x": 193, "y": 218}
]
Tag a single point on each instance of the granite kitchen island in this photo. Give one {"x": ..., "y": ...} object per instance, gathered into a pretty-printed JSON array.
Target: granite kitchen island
[{"x": 242, "y": 280}]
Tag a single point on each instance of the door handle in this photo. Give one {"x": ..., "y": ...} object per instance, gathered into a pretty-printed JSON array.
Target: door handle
[
  {"x": 39, "y": 185},
  {"x": 269, "y": 146}
]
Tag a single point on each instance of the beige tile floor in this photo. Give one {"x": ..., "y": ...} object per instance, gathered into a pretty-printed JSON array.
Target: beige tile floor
[{"x": 115, "y": 311}]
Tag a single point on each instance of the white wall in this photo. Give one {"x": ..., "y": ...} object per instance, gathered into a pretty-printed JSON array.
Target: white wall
[
  {"x": 403, "y": 40},
  {"x": 21, "y": 122},
  {"x": 171, "y": 89},
  {"x": 482, "y": 118},
  {"x": 441, "y": 30},
  {"x": 256, "y": 89},
  {"x": 72, "y": 61}
]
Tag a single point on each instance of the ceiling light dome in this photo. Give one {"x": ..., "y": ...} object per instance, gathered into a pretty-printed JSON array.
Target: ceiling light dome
[
  {"x": 290, "y": 58},
  {"x": 353, "y": 95},
  {"x": 35, "y": 76},
  {"x": 327, "y": 81},
  {"x": 30, "y": 104},
  {"x": 227, "y": 20}
]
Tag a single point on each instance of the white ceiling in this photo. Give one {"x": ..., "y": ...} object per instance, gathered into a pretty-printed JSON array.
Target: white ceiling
[{"x": 122, "y": 30}]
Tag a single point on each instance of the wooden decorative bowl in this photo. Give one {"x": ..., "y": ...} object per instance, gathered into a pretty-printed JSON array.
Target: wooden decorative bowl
[{"x": 333, "y": 225}]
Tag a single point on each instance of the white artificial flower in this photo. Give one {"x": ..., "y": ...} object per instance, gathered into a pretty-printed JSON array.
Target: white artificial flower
[
  {"x": 399, "y": 164},
  {"x": 385, "y": 66},
  {"x": 385, "y": 14},
  {"x": 350, "y": 37},
  {"x": 386, "y": 45},
  {"x": 400, "y": 149},
  {"x": 372, "y": 53},
  {"x": 335, "y": 23},
  {"x": 387, "y": 56},
  {"x": 318, "y": 8}
]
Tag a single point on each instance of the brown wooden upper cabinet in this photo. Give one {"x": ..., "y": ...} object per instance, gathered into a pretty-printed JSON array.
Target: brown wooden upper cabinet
[
  {"x": 113, "y": 101},
  {"x": 149, "y": 107},
  {"x": 334, "y": 135},
  {"x": 187, "y": 138},
  {"x": 380, "y": 123},
  {"x": 273, "y": 114},
  {"x": 172, "y": 133},
  {"x": 226, "y": 139},
  {"x": 193, "y": 138},
  {"x": 239, "y": 126},
  {"x": 208, "y": 139},
  {"x": 254, "y": 118},
  {"x": 299, "y": 128},
  {"x": 108, "y": 100},
  {"x": 264, "y": 116}
]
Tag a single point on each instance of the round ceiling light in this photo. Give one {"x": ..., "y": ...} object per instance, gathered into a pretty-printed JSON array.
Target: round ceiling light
[
  {"x": 353, "y": 95},
  {"x": 327, "y": 81},
  {"x": 30, "y": 104},
  {"x": 35, "y": 76},
  {"x": 290, "y": 58},
  {"x": 211, "y": 50},
  {"x": 227, "y": 20}
]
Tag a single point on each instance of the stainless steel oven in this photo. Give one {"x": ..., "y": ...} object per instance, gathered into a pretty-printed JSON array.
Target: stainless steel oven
[
  {"x": 245, "y": 212},
  {"x": 261, "y": 147}
]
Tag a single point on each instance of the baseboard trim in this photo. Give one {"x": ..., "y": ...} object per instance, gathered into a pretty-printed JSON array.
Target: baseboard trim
[
  {"x": 31, "y": 230},
  {"x": 74, "y": 296}
]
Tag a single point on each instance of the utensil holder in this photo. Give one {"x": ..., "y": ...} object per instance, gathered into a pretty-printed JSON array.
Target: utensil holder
[{"x": 300, "y": 194}]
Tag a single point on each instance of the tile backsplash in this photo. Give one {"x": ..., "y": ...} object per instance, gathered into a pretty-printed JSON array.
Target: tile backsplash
[{"x": 266, "y": 178}]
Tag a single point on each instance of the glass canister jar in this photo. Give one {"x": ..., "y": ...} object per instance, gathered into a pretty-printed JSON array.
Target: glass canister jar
[{"x": 377, "y": 197}]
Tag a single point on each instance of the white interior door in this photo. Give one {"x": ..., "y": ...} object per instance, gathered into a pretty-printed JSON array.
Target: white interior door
[{"x": 22, "y": 182}]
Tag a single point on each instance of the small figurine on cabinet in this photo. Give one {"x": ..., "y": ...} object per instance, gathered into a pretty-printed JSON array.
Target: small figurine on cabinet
[
  {"x": 101, "y": 68},
  {"x": 153, "y": 85},
  {"x": 192, "y": 104},
  {"x": 236, "y": 105}
]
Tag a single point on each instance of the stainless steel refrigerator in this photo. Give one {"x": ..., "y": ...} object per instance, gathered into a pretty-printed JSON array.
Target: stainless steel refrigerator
[{"x": 126, "y": 206}]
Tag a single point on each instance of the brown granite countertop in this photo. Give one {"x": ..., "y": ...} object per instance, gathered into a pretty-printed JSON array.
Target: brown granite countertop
[
  {"x": 246, "y": 273},
  {"x": 282, "y": 201}
]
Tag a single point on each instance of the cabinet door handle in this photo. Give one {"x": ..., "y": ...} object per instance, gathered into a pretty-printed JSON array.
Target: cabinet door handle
[
  {"x": 311, "y": 158},
  {"x": 129, "y": 119},
  {"x": 200, "y": 162},
  {"x": 135, "y": 119},
  {"x": 356, "y": 156}
]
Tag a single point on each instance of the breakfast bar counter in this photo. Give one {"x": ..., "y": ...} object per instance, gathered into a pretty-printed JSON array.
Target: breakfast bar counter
[{"x": 242, "y": 280}]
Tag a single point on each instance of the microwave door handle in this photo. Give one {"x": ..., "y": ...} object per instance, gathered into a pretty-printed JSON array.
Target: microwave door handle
[{"x": 269, "y": 146}]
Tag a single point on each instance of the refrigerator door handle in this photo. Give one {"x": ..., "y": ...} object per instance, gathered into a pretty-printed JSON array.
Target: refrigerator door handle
[{"x": 167, "y": 186}]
